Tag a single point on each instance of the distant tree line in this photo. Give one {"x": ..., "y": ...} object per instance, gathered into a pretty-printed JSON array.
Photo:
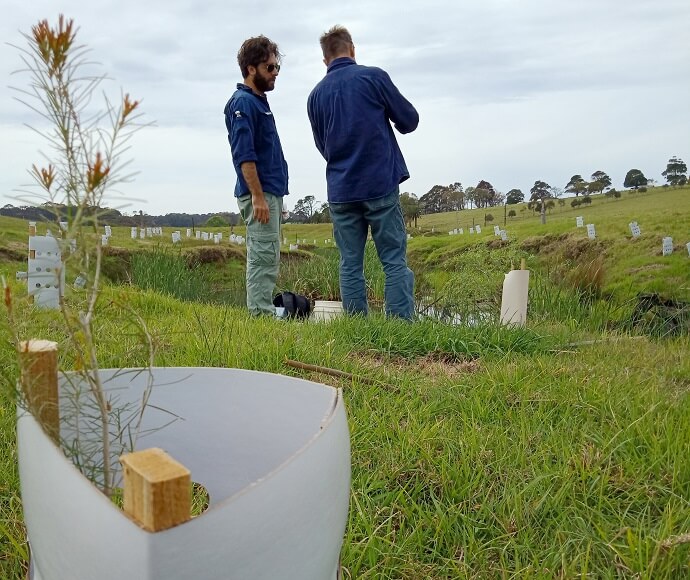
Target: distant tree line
[
  {"x": 112, "y": 217},
  {"x": 453, "y": 197},
  {"x": 440, "y": 198}
]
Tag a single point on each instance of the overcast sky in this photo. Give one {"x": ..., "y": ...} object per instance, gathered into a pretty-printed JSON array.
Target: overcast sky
[{"x": 510, "y": 91}]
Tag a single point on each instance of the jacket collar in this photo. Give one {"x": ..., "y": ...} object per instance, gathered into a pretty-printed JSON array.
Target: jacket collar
[
  {"x": 248, "y": 89},
  {"x": 341, "y": 62}
]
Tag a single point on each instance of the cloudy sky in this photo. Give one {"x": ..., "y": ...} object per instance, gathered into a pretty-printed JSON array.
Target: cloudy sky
[{"x": 510, "y": 91}]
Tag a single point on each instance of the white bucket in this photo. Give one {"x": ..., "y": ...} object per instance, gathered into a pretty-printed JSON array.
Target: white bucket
[
  {"x": 326, "y": 310},
  {"x": 514, "y": 301},
  {"x": 272, "y": 451}
]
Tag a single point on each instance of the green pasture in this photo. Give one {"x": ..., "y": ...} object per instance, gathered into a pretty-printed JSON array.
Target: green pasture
[{"x": 559, "y": 450}]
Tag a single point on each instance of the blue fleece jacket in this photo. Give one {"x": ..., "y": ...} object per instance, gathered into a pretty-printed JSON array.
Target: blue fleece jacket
[
  {"x": 351, "y": 110},
  {"x": 253, "y": 136}
]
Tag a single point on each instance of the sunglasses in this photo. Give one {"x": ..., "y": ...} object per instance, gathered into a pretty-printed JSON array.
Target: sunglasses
[{"x": 273, "y": 67}]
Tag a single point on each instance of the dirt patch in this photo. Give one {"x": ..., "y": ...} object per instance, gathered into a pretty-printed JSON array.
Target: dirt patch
[
  {"x": 211, "y": 255},
  {"x": 117, "y": 264},
  {"x": 497, "y": 243},
  {"x": 434, "y": 364},
  {"x": 294, "y": 256},
  {"x": 117, "y": 252},
  {"x": 565, "y": 246},
  {"x": 541, "y": 244},
  {"x": 11, "y": 255},
  {"x": 578, "y": 248}
]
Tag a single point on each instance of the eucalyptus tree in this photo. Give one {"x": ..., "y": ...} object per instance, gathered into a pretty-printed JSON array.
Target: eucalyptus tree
[
  {"x": 540, "y": 191},
  {"x": 675, "y": 172}
]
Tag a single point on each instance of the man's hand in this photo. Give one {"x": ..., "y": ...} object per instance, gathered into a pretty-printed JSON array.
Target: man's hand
[
  {"x": 261, "y": 212},
  {"x": 260, "y": 208}
]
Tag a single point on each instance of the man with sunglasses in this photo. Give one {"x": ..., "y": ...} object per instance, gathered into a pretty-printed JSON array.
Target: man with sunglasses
[
  {"x": 262, "y": 173},
  {"x": 351, "y": 110}
]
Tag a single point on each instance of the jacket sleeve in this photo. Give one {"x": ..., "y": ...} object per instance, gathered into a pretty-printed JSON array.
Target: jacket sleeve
[
  {"x": 399, "y": 110},
  {"x": 238, "y": 121},
  {"x": 313, "y": 120}
]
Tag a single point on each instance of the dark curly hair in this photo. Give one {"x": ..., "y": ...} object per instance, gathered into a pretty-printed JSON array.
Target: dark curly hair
[{"x": 254, "y": 51}]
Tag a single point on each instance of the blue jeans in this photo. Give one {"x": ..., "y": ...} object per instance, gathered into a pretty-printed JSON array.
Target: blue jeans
[{"x": 351, "y": 223}]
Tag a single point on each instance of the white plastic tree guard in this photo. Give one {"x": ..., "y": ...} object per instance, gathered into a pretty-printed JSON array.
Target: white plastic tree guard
[
  {"x": 580, "y": 221},
  {"x": 325, "y": 310},
  {"x": 514, "y": 300},
  {"x": 591, "y": 232},
  {"x": 272, "y": 451},
  {"x": 46, "y": 275},
  {"x": 667, "y": 246}
]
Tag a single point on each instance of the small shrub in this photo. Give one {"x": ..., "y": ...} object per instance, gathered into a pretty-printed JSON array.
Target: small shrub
[
  {"x": 643, "y": 189},
  {"x": 575, "y": 203},
  {"x": 512, "y": 213}
]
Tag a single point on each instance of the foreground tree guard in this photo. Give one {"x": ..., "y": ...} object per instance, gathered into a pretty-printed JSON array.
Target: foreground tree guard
[{"x": 272, "y": 451}]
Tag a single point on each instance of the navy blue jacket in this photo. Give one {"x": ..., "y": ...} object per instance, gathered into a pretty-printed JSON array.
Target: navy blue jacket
[
  {"x": 350, "y": 111},
  {"x": 253, "y": 136}
]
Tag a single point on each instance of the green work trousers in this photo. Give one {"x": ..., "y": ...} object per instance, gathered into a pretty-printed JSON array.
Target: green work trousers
[{"x": 263, "y": 253}]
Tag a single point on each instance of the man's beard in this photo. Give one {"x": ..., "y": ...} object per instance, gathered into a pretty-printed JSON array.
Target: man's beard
[{"x": 264, "y": 84}]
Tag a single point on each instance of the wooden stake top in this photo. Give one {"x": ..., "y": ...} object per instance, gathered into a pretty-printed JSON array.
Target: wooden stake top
[
  {"x": 38, "y": 345},
  {"x": 157, "y": 490},
  {"x": 154, "y": 465}
]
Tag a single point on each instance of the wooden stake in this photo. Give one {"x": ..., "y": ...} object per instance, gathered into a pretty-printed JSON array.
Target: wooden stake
[
  {"x": 157, "y": 489},
  {"x": 522, "y": 264},
  {"x": 38, "y": 360}
]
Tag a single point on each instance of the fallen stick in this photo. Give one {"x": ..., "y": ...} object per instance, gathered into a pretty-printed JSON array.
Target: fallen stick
[{"x": 328, "y": 371}]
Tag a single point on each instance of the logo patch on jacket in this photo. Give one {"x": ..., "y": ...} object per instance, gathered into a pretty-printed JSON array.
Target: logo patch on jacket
[{"x": 238, "y": 114}]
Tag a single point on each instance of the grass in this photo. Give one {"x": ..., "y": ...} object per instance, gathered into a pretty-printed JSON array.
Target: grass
[
  {"x": 554, "y": 451},
  {"x": 166, "y": 271},
  {"x": 631, "y": 266},
  {"x": 476, "y": 451}
]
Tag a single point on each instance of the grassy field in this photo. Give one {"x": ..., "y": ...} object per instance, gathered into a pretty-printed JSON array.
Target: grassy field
[{"x": 554, "y": 451}]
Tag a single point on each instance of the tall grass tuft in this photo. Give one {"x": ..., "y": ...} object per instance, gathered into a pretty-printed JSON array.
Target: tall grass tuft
[
  {"x": 560, "y": 304},
  {"x": 470, "y": 287},
  {"x": 587, "y": 277},
  {"x": 166, "y": 271},
  {"x": 319, "y": 276}
]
